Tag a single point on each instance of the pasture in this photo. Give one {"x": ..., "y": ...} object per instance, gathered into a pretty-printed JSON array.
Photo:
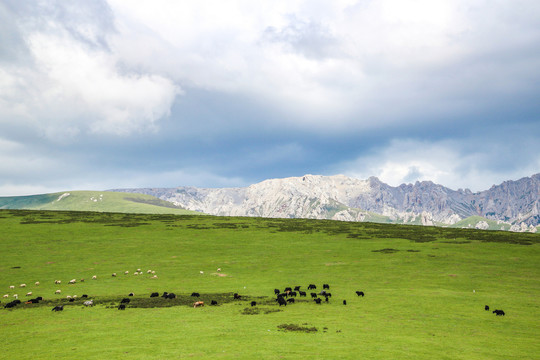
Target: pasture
[{"x": 425, "y": 288}]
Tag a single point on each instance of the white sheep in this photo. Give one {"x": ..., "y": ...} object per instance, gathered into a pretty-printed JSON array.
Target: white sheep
[
  {"x": 72, "y": 281},
  {"x": 74, "y": 296},
  {"x": 114, "y": 274},
  {"x": 139, "y": 270},
  {"x": 153, "y": 272},
  {"x": 6, "y": 296},
  {"x": 149, "y": 272},
  {"x": 15, "y": 296},
  {"x": 68, "y": 297},
  {"x": 29, "y": 293},
  {"x": 12, "y": 286},
  {"x": 94, "y": 277},
  {"x": 126, "y": 272},
  {"x": 154, "y": 277},
  {"x": 135, "y": 273},
  {"x": 219, "y": 269},
  {"x": 37, "y": 283},
  {"x": 22, "y": 285},
  {"x": 88, "y": 303},
  {"x": 58, "y": 291},
  {"x": 57, "y": 281}
]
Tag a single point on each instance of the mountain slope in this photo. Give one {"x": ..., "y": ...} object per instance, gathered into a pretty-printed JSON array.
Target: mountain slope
[
  {"x": 513, "y": 203},
  {"x": 93, "y": 201}
]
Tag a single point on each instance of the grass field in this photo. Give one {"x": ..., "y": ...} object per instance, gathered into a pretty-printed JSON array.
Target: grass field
[{"x": 425, "y": 288}]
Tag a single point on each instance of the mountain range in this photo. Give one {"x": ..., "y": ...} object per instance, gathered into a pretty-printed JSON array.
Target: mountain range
[{"x": 512, "y": 205}]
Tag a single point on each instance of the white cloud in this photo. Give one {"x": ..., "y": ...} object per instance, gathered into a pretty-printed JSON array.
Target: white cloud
[
  {"x": 69, "y": 87},
  {"x": 332, "y": 64},
  {"x": 407, "y": 161},
  {"x": 337, "y": 65}
]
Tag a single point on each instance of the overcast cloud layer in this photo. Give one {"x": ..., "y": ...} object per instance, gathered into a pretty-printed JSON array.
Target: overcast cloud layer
[{"x": 109, "y": 94}]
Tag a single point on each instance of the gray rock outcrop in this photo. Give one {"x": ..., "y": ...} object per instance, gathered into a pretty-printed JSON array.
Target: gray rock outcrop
[{"x": 343, "y": 198}]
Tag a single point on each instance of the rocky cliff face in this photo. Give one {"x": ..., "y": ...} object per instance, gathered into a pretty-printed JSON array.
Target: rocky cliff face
[{"x": 343, "y": 198}]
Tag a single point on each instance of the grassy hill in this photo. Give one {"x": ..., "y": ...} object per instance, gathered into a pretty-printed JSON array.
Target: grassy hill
[
  {"x": 102, "y": 201},
  {"x": 425, "y": 288}
]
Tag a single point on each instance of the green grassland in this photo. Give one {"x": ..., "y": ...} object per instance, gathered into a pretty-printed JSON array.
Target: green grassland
[
  {"x": 103, "y": 201},
  {"x": 425, "y": 288}
]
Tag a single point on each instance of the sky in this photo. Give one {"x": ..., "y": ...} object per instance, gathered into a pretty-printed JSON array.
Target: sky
[{"x": 105, "y": 94}]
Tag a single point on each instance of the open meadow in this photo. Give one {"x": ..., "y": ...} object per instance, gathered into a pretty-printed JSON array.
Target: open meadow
[{"x": 425, "y": 289}]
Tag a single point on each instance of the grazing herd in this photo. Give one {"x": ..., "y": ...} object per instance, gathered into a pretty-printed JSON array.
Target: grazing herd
[
  {"x": 287, "y": 296},
  {"x": 69, "y": 298}
]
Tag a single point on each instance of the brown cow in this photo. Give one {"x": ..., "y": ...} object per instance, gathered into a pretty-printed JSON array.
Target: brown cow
[{"x": 198, "y": 303}]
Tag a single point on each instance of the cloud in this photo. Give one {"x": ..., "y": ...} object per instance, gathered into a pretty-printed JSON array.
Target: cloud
[
  {"x": 220, "y": 92},
  {"x": 274, "y": 154},
  {"x": 309, "y": 38},
  {"x": 184, "y": 177},
  {"x": 73, "y": 83},
  {"x": 331, "y": 67},
  {"x": 341, "y": 65},
  {"x": 27, "y": 170},
  {"x": 452, "y": 163}
]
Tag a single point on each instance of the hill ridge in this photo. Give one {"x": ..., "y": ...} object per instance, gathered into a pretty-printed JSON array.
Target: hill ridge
[
  {"x": 101, "y": 201},
  {"x": 511, "y": 205}
]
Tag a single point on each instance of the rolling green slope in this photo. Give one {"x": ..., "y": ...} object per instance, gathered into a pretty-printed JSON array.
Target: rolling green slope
[
  {"x": 101, "y": 201},
  {"x": 425, "y": 289}
]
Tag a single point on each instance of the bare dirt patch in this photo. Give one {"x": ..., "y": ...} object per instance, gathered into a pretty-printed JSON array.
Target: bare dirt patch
[
  {"x": 295, "y": 327},
  {"x": 258, "y": 310},
  {"x": 386, "y": 251}
]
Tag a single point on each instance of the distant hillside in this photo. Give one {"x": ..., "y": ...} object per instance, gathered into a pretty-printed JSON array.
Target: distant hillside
[
  {"x": 102, "y": 201},
  {"x": 512, "y": 205}
]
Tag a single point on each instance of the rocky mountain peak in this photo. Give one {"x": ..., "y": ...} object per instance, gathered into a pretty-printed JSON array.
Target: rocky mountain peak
[{"x": 344, "y": 198}]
